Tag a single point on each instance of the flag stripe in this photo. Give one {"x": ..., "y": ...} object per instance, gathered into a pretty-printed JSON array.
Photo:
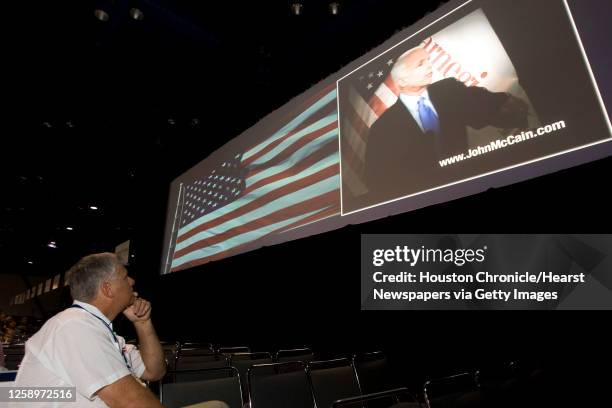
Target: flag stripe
[
  {"x": 252, "y": 202},
  {"x": 234, "y": 234},
  {"x": 365, "y": 111},
  {"x": 330, "y": 211},
  {"x": 244, "y": 200},
  {"x": 278, "y": 173},
  {"x": 308, "y": 218},
  {"x": 298, "y": 140},
  {"x": 313, "y": 109},
  {"x": 297, "y": 151},
  {"x": 355, "y": 141},
  {"x": 387, "y": 92},
  {"x": 312, "y": 124},
  {"x": 325, "y": 186}
]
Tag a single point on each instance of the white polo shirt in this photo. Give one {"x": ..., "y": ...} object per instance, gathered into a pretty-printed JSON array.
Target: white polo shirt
[{"x": 76, "y": 349}]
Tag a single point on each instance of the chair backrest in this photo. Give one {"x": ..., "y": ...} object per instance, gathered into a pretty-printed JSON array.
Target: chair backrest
[
  {"x": 224, "y": 387},
  {"x": 200, "y": 361},
  {"x": 233, "y": 349},
  {"x": 299, "y": 354},
  {"x": 372, "y": 372},
  {"x": 394, "y": 398},
  {"x": 170, "y": 354},
  {"x": 332, "y": 380},
  {"x": 279, "y": 385},
  {"x": 454, "y": 390},
  {"x": 243, "y": 361},
  {"x": 12, "y": 358},
  {"x": 208, "y": 347}
]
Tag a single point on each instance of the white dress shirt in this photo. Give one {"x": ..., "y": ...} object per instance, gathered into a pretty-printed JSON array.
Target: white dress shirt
[
  {"x": 411, "y": 102},
  {"x": 76, "y": 349}
]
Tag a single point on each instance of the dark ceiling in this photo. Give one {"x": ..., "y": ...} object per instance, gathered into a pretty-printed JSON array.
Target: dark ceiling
[{"x": 106, "y": 114}]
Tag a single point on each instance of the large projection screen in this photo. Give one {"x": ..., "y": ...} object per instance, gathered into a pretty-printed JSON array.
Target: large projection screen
[{"x": 479, "y": 94}]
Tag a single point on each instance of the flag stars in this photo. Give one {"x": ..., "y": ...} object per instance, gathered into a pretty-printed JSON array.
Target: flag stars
[
  {"x": 379, "y": 74},
  {"x": 390, "y": 62},
  {"x": 371, "y": 75},
  {"x": 370, "y": 86}
]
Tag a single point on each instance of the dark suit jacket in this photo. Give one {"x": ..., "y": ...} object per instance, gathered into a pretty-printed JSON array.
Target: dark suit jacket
[{"x": 401, "y": 159}]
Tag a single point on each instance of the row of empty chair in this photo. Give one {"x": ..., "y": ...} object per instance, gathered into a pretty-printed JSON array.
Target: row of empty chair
[
  {"x": 297, "y": 378},
  {"x": 341, "y": 383}
]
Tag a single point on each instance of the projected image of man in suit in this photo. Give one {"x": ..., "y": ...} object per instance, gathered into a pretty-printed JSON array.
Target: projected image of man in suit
[{"x": 428, "y": 123}]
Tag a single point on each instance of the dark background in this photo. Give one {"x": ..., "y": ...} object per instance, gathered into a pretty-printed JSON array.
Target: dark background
[{"x": 103, "y": 113}]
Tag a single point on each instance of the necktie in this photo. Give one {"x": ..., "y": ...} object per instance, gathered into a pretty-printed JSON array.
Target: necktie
[{"x": 428, "y": 117}]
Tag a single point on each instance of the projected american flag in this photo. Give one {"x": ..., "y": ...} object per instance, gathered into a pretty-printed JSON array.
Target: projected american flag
[{"x": 288, "y": 180}]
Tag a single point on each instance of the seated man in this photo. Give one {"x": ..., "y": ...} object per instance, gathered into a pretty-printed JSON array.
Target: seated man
[{"x": 78, "y": 348}]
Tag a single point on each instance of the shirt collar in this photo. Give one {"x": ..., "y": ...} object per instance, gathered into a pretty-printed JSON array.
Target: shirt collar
[
  {"x": 412, "y": 100},
  {"x": 94, "y": 311}
]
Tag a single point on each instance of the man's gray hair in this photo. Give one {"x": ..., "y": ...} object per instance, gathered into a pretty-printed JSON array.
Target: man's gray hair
[
  {"x": 399, "y": 63},
  {"x": 86, "y": 276}
]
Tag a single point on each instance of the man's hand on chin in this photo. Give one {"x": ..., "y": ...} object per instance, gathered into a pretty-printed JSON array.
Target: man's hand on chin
[{"x": 139, "y": 310}]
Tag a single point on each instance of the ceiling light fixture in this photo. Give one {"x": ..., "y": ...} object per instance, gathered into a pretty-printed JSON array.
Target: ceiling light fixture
[
  {"x": 297, "y": 8},
  {"x": 334, "y": 8},
  {"x": 136, "y": 14},
  {"x": 101, "y": 15}
]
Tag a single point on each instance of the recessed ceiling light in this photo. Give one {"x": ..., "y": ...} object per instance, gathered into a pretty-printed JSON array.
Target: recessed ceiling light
[
  {"x": 101, "y": 15},
  {"x": 136, "y": 14},
  {"x": 297, "y": 7},
  {"x": 334, "y": 7}
]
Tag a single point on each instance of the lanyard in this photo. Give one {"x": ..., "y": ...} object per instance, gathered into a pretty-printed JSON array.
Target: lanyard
[{"x": 109, "y": 329}]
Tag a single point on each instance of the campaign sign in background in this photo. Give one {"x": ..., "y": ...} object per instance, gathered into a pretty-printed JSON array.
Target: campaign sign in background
[{"x": 488, "y": 271}]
